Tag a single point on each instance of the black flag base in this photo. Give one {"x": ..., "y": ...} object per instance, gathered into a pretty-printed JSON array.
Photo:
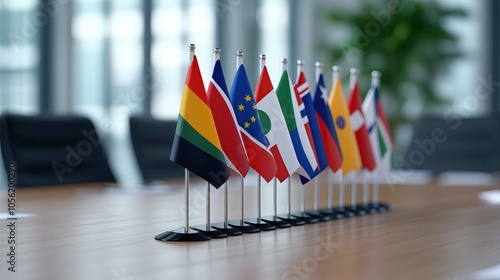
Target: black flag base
[
  {"x": 308, "y": 219},
  {"x": 241, "y": 226},
  {"x": 292, "y": 220},
  {"x": 319, "y": 215},
  {"x": 357, "y": 211},
  {"x": 383, "y": 207},
  {"x": 332, "y": 213},
  {"x": 228, "y": 230},
  {"x": 181, "y": 234},
  {"x": 260, "y": 224},
  {"x": 346, "y": 212},
  {"x": 368, "y": 209},
  {"x": 212, "y": 233},
  {"x": 277, "y": 222}
]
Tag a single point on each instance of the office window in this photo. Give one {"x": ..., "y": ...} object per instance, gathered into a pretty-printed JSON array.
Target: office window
[
  {"x": 108, "y": 45},
  {"x": 176, "y": 24},
  {"x": 273, "y": 20},
  {"x": 108, "y": 59},
  {"x": 19, "y": 55}
]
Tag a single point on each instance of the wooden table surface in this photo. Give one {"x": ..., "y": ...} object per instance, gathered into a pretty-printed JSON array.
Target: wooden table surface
[{"x": 87, "y": 232}]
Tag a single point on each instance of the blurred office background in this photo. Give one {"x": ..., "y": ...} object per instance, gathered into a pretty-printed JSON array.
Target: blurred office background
[{"x": 109, "y": 59}]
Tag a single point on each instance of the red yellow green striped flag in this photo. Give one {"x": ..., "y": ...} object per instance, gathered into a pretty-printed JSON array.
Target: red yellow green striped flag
[{"x": 196, "y": 144}]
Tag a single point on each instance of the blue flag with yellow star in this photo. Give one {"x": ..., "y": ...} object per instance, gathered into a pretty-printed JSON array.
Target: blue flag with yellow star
[{"x": 247, "y": 116}]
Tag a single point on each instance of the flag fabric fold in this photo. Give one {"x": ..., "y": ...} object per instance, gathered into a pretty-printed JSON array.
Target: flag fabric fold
[
  {"x": 360, "y": 130},
  {"x": 254, "y": 139},
  {"x": 196, "y": 145},
  {"x": 296, "y": 129},
  {"x": 311, "y": 123},
  {"x": 225, "y": 122},
  {"x": 378, "y": 129},
  {"x": 341, "y": 120},
  {"x": 326, "y": 126},
  {"x": 274, "y": 126}
]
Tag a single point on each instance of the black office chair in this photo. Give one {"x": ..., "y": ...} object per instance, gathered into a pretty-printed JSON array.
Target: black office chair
[
  {"x": 152, "y": 141},
  {"x": 53, "y": 150},
  {"x": 469, "y": 145}
]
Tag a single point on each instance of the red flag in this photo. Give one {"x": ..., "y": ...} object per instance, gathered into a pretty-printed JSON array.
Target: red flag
[
  {"x": 359, "y": 127},
  {"x": 225, "y": 122}
]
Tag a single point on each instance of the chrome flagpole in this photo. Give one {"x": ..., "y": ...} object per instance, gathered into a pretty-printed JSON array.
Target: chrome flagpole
[
  {"x": 342, "y": 209},
  {"x": 224, "y": 226},
  {"x": 353, "y": 79},
  {"x": 376, "y": 76},
  {"x": 288, "y": 218},
  {"x": 366, "y": 194},
  {"x": 274, "y": 220},
  {"x": 302, "y": 214},
  {"x": 240, "y": 224},
  {"x": 316, "y": 213},
  {"x": 184, "y": 234},
  {"x": 186, "y": 190},
  {"x": 341, "y": 192},
  {"x": 331, "y": 211},
  {"x": 207, "y": 228},
  {"x": 259, "y": 223}
]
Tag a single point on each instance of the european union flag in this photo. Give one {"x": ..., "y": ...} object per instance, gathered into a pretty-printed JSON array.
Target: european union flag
[
  {"x": 245, "y": 107},
  {"x": 253, "y": 135}
]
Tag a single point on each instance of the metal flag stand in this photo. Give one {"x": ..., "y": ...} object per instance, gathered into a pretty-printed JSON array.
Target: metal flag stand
[
  {"x": 224, "y": 227},
  {"x": 288, "y": 216},
  {"x": 275, "y": 220},
  {"x": 302, "y": 214},
  {"x": 240, "y": 224},
  {"x": 259, "y": 223},
  {"x": 316, "y": 212},
  {"x": 379, "y": 207},
  {"x": 354, "y": 207},
  {"x": 207, "y": 228},
  {"x": 294, "y": 221},
  {"x": 184, "y": 233},
  {"x": 331, "y": 210},
  {"x": 341, "y": 208},
  {"x": 354, "y": 185},
  {"x": 366, "y": 194}
]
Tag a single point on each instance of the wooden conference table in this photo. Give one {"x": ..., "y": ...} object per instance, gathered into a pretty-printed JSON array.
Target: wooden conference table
[{"x": 91, "y": 232}]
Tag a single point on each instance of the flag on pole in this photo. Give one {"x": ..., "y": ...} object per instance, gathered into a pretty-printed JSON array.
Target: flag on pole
[
  {"x": 360, "y": 130},
  {"x": 383, "y": 126},
  {"x": 275, "y": 129},
  {"x": 378, "y": 128},
  {"x": 301, "y": 144},
  {"x": 311, "y": 123},
  {"x": 340, "y": 113},
  {"x": 327, "y": 127},
  {"x": 196, "y": 145},
  {"x": 253, "y": 136},
  {"x": 225, "y": 122}
]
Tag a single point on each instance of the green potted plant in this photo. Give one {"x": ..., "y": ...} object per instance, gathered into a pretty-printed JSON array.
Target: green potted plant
[{"x": 406, "y": 41}]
